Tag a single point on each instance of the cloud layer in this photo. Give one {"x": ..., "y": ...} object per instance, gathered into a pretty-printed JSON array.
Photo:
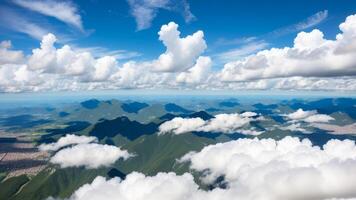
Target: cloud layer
[
  {"x": 89, "y": 155},
  {"x": 221, "y": 123},
  {"x": 254, "y": 170},
  {"x": 313, "y": 63},
  {"x": 67, "y": 140},
  {"x": 311, "y": 56},
  {"x": 285, "y": 169},
  {"x": 309, "y": 116}
]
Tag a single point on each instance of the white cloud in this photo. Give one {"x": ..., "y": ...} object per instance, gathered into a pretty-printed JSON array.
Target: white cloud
[
  {"x": 89, "y": 155},
  {"x": 67, "y": 140},
  {"x": 301, "y": 114},
  {"x": 198, "y": 73},
  {"x": 311, "y": 56},
  {"x": 49, "y": 59},
  {"x": 66, "y": 68},
  {"x": 311, "y": 21},
  {"x": 144, "y": 11},
  {"x": 181, "y": 53},
  {"x": 255, "y": 170},
  {"x": 64, "y": 11},
  {"x": 285, "y": 169},
  {"x": 8, "y": 56},
  {"x": 226, "y": 123},
  {"x": 137, "y": 186},
  {"x": 309, "y": 116},
  {"x": 180, "y": 125},
  {"x": 223, "y": 123},
  {"x": 16, "y": 22}
]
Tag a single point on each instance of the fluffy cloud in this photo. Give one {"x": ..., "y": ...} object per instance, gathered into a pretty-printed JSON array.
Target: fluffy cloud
[
  {"x": 197, "y": 73},
  {"x": 182, "y": 66},
  {"x": 8, "y": 56},
  {"x": 48, "y": 59},
  {"x": 89, "y": 155},
  {"x": 64, "y": 68},
  {"x": 254, "y": 170},
  {"x": 309, "y": 116},
  {"x": 181, "y": 53},
  {"x": 311, "y": 56},
  {"x": 285, "y": 169},
  {"x": 180, "y": 125},
  {"x": 64, "y": 11},
  {"x": 67, "y": 140},
  {"x": 145, "y": 11},
  {"x": 139, "y": 187},
  {"x": 222, "y": 123}
]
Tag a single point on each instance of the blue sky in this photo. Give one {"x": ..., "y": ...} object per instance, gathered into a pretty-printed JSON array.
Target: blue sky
[
  {"x": 232, "y": 31},
  {"x": 110, "y": 24}
]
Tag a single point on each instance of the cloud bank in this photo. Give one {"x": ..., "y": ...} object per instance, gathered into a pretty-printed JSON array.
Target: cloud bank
[
  {"x": 221, "y": 123},
  {"x": 311, "y": 56},
  {"x": 254, "y": 170},
  {"x": 309, "y": 116},
  {"x": 67, "y": 140},
  {"x": 284, "y": 169},
  {"x": 89, "y": 155},
  {"x": 313, "y": 63}
]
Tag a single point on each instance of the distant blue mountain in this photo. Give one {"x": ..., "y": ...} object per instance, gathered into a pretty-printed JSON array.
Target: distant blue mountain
[
  {"x": 228, "y": 104},
  {"x": 90, "y": 104},
  {"x": 212, "y": 110},
  {"x": 133, "y": 107},
  {"x": 328, "y": 106},
  {"x": 171, "y": 107},
  {"x": 63, "y": 114},
  {"x": 201, "y": 114}
]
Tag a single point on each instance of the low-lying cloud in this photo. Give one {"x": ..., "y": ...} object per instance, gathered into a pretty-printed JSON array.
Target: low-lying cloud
[
  {"x": 253, "y": 169},
  {"x": 221, "y": 123},
  {"x": 285, "y": 169},
  {"x": 309, "y": 116},
  {"x": 67, "y": 140},
  {"x": 89, "y": 156}
]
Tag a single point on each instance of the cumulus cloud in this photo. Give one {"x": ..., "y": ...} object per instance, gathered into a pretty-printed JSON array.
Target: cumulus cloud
[
  {"x": 180, "y": 125},
  {"x": 181, "y": 53},
  {"x": 8, "y": 56},
  {"x": 284, "y": 169},
  {"x": 254, "y": 170},
  {"x": 309, "y": 116},
  {"x": 64, "y": 11},
  {"x": 311, "y": 56},
  {"x": 67, "y": 140},
  {"x": 144, "y": 11},
  {"x": 48, "y": 59},
  {"x": 197, "y": 73},
  {"x": 89, "y": 155},
  {"x": 222, "y": 123},
  {"x": 182, "y": 66},
  {"x": 139, "y": 187},
  {"x": 65, "y": 68}
]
